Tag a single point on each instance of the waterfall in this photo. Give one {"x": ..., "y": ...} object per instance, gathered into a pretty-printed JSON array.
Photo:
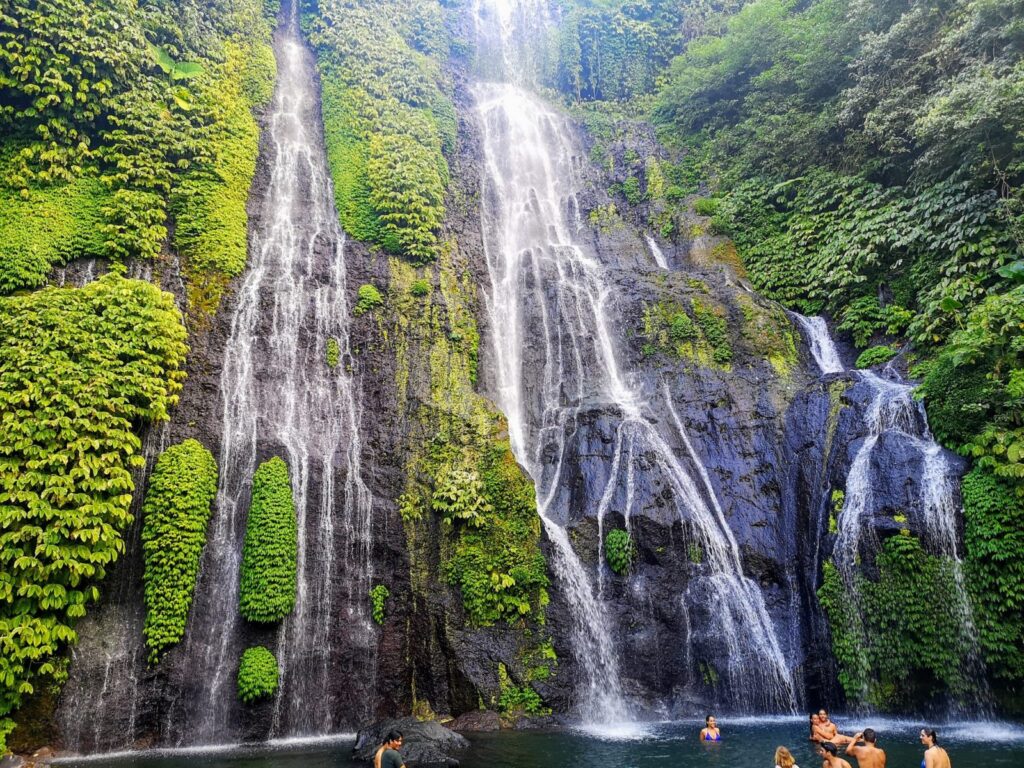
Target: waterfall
[
  {"x": 893, "y": 411},
  {"x": 551, "y": 306},
  {"x": 279, "y": 397},
  {"x": 656, "y": 252}
]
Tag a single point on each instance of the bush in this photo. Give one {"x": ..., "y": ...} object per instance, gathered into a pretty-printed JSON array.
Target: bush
[
  {"x": 369, "y": 298},
  {"x": 515, "y": 700},
  {"x": 875, "y": 356},
  {"x": 257, "y": 674},
  {"x": 459, "y": 496},
  {"x": 269, "y": 553},
  {"x": 174, "y": 519},
  {"x": 80, "y": 370},
  {"x": 705, "y": 206},
  {"x": 420, "y": 288},
  {"x": 631, "y": 190},
  {"x": 378, "y": 596},
  {"x": 619, "y": 550},
  {"x": 333, "y": 353}
]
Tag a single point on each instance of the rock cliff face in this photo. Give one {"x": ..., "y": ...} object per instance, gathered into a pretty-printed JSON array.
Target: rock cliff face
[{"x": 769, "y": 440}]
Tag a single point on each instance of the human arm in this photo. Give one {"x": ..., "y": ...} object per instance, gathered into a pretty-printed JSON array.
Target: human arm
[{"x": 852, "y": 748}]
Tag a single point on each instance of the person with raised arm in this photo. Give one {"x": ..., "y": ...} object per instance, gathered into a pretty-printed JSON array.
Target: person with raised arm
[{"x": 867, "y": 752}]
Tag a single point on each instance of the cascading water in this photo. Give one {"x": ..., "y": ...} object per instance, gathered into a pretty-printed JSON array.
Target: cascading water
[
  {"x": 893, "y": 411},
  {"x": 656, "y": 252},
  {"x": 281, "y": 398},
  {"x": 552, "y": 298}
]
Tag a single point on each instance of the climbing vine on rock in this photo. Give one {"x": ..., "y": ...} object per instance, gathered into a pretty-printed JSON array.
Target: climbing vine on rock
[
  {"x": 80, "y": 369},
  {"x": 175, "y": 514},
  {"x": 270, "y": 551},
  {"x": 378, "y": 597},
  {"x": 257, "y": 674},
  {"x": 619, "y": 550}
]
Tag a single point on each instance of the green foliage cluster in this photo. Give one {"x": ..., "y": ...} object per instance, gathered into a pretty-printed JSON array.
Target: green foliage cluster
[
  {"x": 387, "y": 119},
  {"x": 668, "y": 328},
  {"x": 369, "y": 299},
  {"x": 175, "y": 514},
  {"x": 257, "y": 674},
  {"x": 496, "y": 563},
  {"x": 994, "y": 565},
  {"x": 269, "y": 554},
  {"x": 378, "y": 596},
  {"x": 897, "y": 649},
  {"x": 459, "y": 497},
  {"x": 114, "y": 124},
  {"x": 80, "y": 370},
  {"x": 515, "y": 700},
  {"x": 769, "y": 333},
  {"x": 332, "y": 353},
  {"x": 619, "y": 550},
  {"x": 420, "y": 288},
  {"x": 876, "y": 356}
]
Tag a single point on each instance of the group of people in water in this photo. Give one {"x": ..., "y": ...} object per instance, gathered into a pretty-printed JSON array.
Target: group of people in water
[{"x": 862, "y": 745}]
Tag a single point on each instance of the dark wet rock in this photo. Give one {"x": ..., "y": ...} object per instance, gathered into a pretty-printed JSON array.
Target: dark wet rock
[
  {"x": 477, "y": 721},
  {"x": 426, "y": 744}
]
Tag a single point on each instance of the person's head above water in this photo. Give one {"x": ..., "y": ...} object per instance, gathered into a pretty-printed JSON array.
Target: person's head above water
[
  {"x": 783, "y": 758},
  {"x": 869, "y": 735},
  {"x": 393, "y": 739},
  {"x": 822, "y": 716},
  {"x": 710, "y": 721},
  {"x": 929, "y": 737},
  {"x": 829, "y": 747}
]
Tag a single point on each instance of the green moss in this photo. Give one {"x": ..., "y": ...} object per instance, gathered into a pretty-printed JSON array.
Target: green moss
[
  {"x": 257, "y": 674},
  {"x": 174, "y": 518},
  {"x": 715, "y": 330},
  {"x": 619, "y": 550},
  {"x": 387, "y": 122},
  {"x": 332, "y": 353},
  {"x": 269, "y": 554},
  {"x": 875, "y": 356},
  {"x": 769, "y": 334},
  {"x": 606, "y": 218},
  {"x": 80, "y": 370},
  {"x": 898, "y": 649},
  {"x": 209, "y": 203},
  {"x": 378, "y": 597},
  {"x": 369, "y": 299},
  {"x": 46, "y": 226},
  {"x": 994, "y": 564}
]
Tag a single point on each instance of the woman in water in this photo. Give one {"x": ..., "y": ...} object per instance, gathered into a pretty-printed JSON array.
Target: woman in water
[
  {"x": 934, "y": 755},
  {"x": 710, "y": 731},
  {"x": 814, "y": 722},
  {"x": 783, "y": 759}
]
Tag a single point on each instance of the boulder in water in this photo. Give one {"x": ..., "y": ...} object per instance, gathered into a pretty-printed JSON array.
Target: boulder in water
[
  {"x": 478, "y": 720},
  {"x": 426, "y": 744}
]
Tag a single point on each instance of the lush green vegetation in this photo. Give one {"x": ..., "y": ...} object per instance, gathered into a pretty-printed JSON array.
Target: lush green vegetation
[
  {"x": 270, "y": 551},
  {"x": 369, "y": 299},
  {"x": 176, "y": 511},
  {"x": 883, "y": 353},
  {"x": 115, "y": 128},
  {"x": 994, "y": 565},
  {"x": 515, "y": 700},
  {"x": 619, "y": 550},
  {"x": 387, "y": 118},
  {"x": 332, "y": 353},
  {"x": 80, "y": 370},
  {"x": 378, "y": 597},
  {"x": 257, "y": 674},
  {"x": 894, "y": 649}
]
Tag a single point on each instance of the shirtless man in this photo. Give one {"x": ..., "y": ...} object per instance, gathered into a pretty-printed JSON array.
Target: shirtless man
[
  {"x": 868, "y": 754},
  {"x": 826, "y": 730},
  {"x": 830, "y": 756}
]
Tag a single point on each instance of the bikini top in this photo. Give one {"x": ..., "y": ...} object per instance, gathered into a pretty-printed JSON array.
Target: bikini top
[{"x": 716, "y": 737}]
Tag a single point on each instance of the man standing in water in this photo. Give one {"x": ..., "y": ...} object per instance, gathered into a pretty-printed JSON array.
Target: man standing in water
[
  {"x": 868, "y": 754},
  {"x": 388, "y": 755},
  {"x": 830, "y": 756}
]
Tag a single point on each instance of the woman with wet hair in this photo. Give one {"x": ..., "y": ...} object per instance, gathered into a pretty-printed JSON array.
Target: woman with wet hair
[
  {"x": 934, "y": 755},
  {"x": 710, "y": 731}
]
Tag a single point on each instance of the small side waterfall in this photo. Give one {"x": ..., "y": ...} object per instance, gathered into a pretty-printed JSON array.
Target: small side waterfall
[
  {"x": 280, "y": 397},
  {"x": 893, "y": 411},
  {"x": 656, "y": 252}
]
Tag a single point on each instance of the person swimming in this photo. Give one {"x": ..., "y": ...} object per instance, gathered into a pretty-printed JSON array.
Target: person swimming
[
  {"x": 934, "y": 755},
  {"x": 710, "y": 731}
]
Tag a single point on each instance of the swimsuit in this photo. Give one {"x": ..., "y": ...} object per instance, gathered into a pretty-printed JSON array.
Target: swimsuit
[{"x": 708, "y": 737}]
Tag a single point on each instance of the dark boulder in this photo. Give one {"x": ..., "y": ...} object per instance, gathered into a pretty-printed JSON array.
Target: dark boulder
[
  {"x": 476, "y": 721},
  {"x": 427, "y": 744}
]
